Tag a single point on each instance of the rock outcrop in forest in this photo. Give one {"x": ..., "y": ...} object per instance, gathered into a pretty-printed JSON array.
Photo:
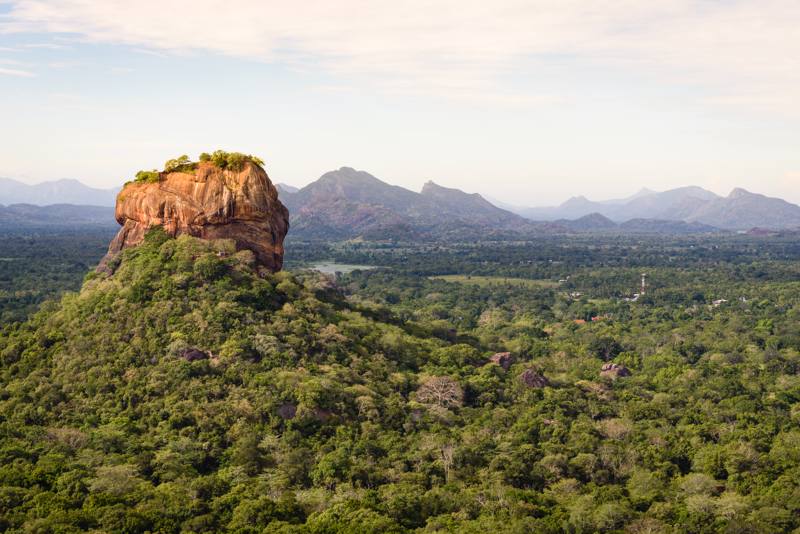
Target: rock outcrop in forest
[{"x": 216, "y": 198}]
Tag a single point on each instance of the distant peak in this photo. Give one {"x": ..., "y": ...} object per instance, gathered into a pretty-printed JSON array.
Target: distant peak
[
  {"x": 578, "y": 200},
  {"x": 739, "y": 192},
  {"x": 347, "y": 173},
  {"x": 286, "y": 188},
  {"x": 431, "y": 186}
]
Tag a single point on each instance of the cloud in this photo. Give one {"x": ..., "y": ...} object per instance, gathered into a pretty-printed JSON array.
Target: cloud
[
  {"x": 739, "y": 53},
  {"x": 45, "y": 46},
  {"x": 16, "y": 72}
]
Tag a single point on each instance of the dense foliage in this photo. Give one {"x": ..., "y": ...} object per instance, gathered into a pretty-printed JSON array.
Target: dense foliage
[
  {"x": 191, "y": 392},
  {"x": 230, "y": 160},
  {"x": 224, "y": 160}
]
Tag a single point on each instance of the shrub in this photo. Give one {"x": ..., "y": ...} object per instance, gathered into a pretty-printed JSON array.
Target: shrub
[
  {"x": 234, "y": 161},
  {"x": 150, "y": 177},
  {"x": 230, "y": 160},
  {"x": 179, "y": 164}
]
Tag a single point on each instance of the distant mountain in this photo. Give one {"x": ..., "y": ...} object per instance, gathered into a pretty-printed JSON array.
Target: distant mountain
[
  {"x": 740, "y": 210},
  {"x": 643, "y": 192},
  {"x": 472, "y": 206},
  {"x": 55, "y": 192},
  {"x": 18, "y": 216},
  {"x": 596, "y": 222},
  {"x": 593, "y": 222},
  {"x": 573, "y": 208},
  {"x": 675, "y": 204},
  {"x": 348, "y": 203},
  {"x": 286, "y": 189}
]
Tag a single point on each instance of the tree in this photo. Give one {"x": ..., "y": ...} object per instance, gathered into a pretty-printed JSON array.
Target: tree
[
  {"x": 441, "y": 391},
  {"x": 177, "y": 164}
]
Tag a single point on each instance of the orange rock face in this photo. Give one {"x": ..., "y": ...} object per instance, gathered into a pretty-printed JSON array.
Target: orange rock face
[{"x": 208, "y": 203}]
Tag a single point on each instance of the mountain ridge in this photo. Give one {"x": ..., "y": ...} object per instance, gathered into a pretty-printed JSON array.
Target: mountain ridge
[
  {"x": 349, "y": 203},
  {"x": 64, "y": 191},
  {"x": 740, "y": 210}
]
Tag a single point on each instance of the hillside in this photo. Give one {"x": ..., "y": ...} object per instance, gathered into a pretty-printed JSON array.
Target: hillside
[
  {"x": 162, "y": 395},
  {"x": 479, "y": 210},
  {"x": 54, "y": 192}
]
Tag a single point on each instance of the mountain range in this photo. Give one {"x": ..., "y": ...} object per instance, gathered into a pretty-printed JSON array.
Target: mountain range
[
  {"x": 740, "y": 210},
  {"x": 349, "y": 203},
  {"x": 65, "y": 191}
]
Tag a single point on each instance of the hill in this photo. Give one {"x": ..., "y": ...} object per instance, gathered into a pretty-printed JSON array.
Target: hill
[
  {"x": 594, "y": 222},
  {"x": 55, "y": 192},
  {"x": 162, "y": 425},
  {"x": 194, "y": 391}
]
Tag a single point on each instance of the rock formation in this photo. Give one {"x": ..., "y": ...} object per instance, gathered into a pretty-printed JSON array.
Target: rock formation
[
  {"x": 192, "y": 355},
  {"x": 503, "y": 359},
  {"x": 206, "y": 202},
  {"x": 614, "y": 370},
  {"x": 533, "y": 379}
]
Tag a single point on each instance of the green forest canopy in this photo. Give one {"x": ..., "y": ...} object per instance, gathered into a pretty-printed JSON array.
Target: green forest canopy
[{"x": 193, "y": 392}]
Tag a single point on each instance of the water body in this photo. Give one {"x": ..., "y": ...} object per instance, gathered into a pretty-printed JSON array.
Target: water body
[{"x": 329, "y": 267}]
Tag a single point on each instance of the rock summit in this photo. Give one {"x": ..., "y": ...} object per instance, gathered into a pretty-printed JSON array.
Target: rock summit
[{"x": 209, "y": 200}]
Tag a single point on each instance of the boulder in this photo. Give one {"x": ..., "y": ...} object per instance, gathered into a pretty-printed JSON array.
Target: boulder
[
  {"x": 287, "y": 410},
  {"x": 614, "y": 370},
  {"x": 503, "y": 359},
  {"x": 533, "y": 379},
  {"x": 206, "y": 202},
  {"x": 193, "y": 355}
]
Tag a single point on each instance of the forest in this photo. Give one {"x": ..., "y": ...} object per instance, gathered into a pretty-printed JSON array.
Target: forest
[{"x": 450, "y": 387}]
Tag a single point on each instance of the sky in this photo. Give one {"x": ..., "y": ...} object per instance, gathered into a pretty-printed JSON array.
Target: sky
[{"x": 526, "y": 101}]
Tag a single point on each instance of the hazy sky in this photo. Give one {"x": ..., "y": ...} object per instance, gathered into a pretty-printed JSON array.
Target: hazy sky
[{"x": 529, "y": 101}]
